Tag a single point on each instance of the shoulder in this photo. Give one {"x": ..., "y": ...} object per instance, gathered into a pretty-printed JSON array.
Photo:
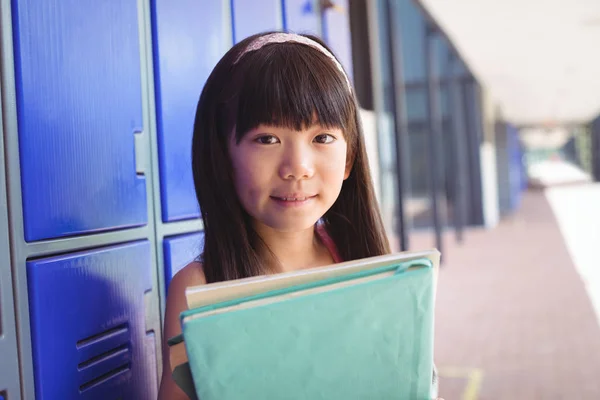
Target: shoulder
[{"x": 191, "y": 275}]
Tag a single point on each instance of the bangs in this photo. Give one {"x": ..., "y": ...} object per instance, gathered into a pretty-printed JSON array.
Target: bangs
[{"x": 293, "y": 86}]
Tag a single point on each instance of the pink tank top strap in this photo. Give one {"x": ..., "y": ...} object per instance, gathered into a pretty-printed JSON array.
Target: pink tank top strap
[{"x": 328, "y": 242}]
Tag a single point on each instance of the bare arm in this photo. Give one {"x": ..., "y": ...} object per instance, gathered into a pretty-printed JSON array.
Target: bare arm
[{"x": 191, "y": 275}]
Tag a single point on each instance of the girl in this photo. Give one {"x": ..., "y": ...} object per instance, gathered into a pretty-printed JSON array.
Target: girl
[{"x": 280, "y": 170}]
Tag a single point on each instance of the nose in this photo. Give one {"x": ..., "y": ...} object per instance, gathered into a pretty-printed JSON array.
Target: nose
[{"x": 297, "y": 163}]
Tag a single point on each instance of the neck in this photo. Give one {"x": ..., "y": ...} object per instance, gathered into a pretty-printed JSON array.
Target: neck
[{"x": 294, "y": 250}]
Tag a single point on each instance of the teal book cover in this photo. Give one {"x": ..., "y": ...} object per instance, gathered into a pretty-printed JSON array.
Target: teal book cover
[{"x": 362, "y": 335}]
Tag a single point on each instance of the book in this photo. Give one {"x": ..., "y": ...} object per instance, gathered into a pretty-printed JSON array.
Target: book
[{"x": 353, "y": 330}]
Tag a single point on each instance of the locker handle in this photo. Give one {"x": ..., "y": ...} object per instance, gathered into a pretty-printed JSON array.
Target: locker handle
[{"x": 140, "y": 154}]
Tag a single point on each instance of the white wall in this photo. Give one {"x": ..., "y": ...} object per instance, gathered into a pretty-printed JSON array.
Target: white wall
[
  {"x": 369, "y": 123},
  {"x": 487, "y": 152}
]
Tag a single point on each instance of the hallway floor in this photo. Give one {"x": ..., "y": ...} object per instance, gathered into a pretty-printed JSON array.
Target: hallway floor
[{"x": 514, "y": 319}]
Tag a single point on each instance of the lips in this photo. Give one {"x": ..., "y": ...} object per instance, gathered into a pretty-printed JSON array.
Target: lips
[
  {"x": 294, "y": 197},
  {"x": 288, "y": 201}
]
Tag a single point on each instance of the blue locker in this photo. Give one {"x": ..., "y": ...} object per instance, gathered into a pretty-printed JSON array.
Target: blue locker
[
  {"x": 88, "y": 332},
  {"x": 78, "y": 87},
  {"x": 515, "y": 166},
  {"x": 189, "y": 40},
  {"x": 336, "y": 32},
  {"x": 179, "y": 251},
  {"x": 302, "y": 16},
  {"x": 255, "y": 16}
]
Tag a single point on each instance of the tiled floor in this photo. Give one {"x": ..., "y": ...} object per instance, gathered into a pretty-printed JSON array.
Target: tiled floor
[{"x": 514, "y": 320}]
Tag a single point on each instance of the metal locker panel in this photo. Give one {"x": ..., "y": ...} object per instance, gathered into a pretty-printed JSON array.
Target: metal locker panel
[
  {"x": 254, "y": 16},
  {"x": 88, "y": 333},
  {"x": 502, "y": 166},
  {"x": 79, "y": 106},
  {"x": 336, "y": 32},
  {"x": 189, "y": 38},
  {"x": 9, "y": 361},
  {"x": 516, "y": 166},
  {"x": 302, "y": 16},
  {"x": 179, "y": 251}
]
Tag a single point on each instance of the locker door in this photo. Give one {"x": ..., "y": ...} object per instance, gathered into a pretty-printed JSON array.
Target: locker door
[
  {"x": 336, "y": 31},
  {"x": 254, "y": 16},
  {"x": 78, "y": 88},
  {"x": 302, "y": 16},
  {"x": 179, "y": 251},
  {"x": 89, "y": 338},
  {"x": 189, "y": 38},
  {"x": 515, "y": 159}
]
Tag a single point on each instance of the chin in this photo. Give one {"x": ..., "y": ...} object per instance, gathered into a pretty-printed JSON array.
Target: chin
[{"x": 292, "y": 226}]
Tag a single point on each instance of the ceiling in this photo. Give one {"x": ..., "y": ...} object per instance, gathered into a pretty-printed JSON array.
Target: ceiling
[{"x": 540, "y": 59}]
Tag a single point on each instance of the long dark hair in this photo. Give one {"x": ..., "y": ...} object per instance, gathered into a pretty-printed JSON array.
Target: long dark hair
[{"x": 288, "y": 85}]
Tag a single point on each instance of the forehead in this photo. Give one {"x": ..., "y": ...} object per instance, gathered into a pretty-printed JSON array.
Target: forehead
[{"x": 295, "y": 89}]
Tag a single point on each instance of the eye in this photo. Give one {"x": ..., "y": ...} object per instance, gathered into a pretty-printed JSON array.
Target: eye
[
  {"x": 324, "y": 138},
  {"x": 266, "y": 139}
]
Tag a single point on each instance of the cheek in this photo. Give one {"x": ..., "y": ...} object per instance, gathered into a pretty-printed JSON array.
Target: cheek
[
  {"x": 334, "y": 164},
  {"x": 250, "y": 173}
]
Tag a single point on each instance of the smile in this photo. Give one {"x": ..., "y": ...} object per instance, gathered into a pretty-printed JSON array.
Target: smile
[
  {"x": 295, "y": 200},
  {"x": 292, "y": 198}
]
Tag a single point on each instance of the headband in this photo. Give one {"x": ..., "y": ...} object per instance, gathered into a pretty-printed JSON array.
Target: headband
[{"x": 281, "y": 37}]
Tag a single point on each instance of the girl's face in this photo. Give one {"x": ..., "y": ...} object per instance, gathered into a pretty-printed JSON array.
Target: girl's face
[{"x": 288, "y": 179}]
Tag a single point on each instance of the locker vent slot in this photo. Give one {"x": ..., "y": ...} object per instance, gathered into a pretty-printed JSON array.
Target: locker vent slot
[
  {"x": 101, "y": 357},
  {"x": 106, "y": 335},
  {"x": 105, "y": 377}
]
